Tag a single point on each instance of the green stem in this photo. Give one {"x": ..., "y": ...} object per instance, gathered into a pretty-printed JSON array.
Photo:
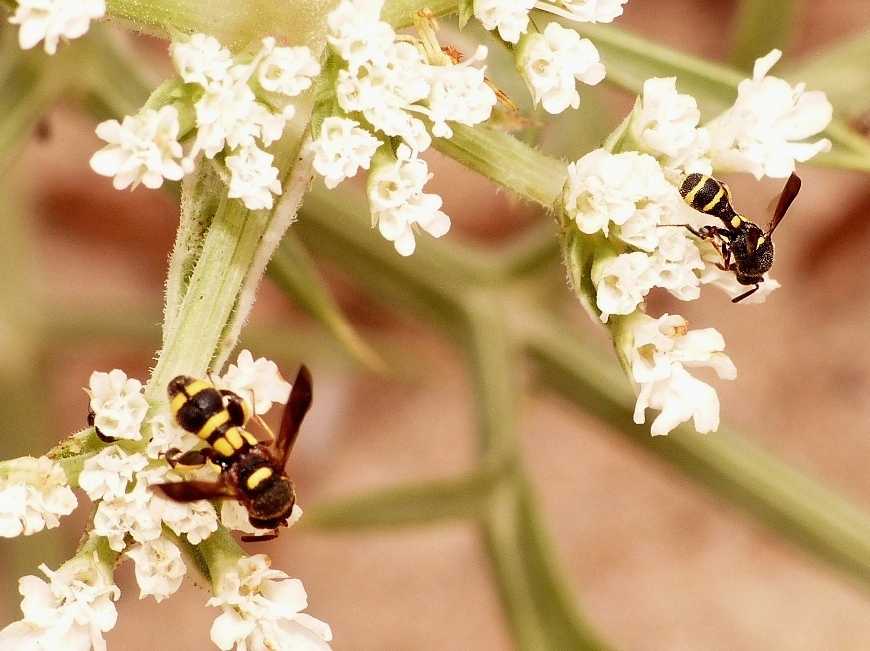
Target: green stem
[{"x": 798, "y": 508}]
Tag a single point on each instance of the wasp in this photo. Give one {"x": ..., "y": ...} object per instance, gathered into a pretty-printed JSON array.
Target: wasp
[
  {"x": 746, "y": 249},
  {"x": 252, "y": 471}
]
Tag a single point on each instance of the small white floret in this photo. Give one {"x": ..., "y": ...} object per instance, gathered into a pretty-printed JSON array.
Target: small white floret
[
  {"x": 118, "y": 404},
  {"x": 766, "y": 130},
  {"x": 160, "y": 568},
  {"x": 256, "y": 380},
  {"x": 262, "y": 609},
  {"x": 553, "y": 61},
  {"x": 144, "y": 148},
  {"x": 52, "y": 20}
]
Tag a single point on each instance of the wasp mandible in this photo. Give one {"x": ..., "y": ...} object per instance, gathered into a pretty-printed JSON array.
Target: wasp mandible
[
  {"x": 252, "y": 472},
  {"x": 746, "y": 249}
]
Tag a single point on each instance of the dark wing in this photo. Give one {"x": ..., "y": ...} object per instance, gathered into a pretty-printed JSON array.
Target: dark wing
[
  {"x": 788, "y": 194},
  {"x": 297, "y": 406},
  {"x": 191, "y": 491}
]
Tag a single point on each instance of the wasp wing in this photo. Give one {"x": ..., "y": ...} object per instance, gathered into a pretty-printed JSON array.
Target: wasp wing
[
  {"x": 297, "y": 406},
  {"x": 191, "y": 491},
  {"x": 786, "y": 197}
]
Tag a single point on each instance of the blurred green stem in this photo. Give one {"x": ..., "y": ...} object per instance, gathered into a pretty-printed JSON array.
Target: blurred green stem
[
  {"x": 793, "y": 505},
  {"x": 760, "y": 26}
]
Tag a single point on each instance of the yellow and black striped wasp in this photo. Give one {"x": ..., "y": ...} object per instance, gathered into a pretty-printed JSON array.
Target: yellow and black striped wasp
[
  {"x": 252, "y": 471},
  {"x": 746, "y": 249}
]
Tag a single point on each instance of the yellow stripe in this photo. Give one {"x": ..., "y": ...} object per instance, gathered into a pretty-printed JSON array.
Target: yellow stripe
[
  {"x": 213, "y": 423},
  {"x": 691, "y": 196},
  {"x": 250, "y": 438},
  {"x": 196, "y": 386},
  {"x": 223, "y": 447},
  {"x": 735, "y": 221},
  {"x": 177, "y": 403},
  {"x": 258, "y": 476},
  {"x": 248, "y": 411},
  {"x": 714, "y": 200},
  {"x": 232, "y": 435}
]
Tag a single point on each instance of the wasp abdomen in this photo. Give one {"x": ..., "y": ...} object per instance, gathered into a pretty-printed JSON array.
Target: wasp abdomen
[{"x": 707, "y": 195}]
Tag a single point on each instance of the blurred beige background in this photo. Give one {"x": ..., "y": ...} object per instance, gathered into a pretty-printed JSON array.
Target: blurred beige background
[{"x": 656, "y": 564}]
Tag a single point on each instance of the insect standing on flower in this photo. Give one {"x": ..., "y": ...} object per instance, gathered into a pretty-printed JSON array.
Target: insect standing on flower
[
  {"x": 252, "y": 472},
  {"x": 750, "y": 247}
]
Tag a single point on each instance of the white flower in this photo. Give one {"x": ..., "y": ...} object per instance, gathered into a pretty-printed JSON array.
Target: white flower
[
  {"x": 166, "y": 434},
  {"x": 586, "y": 11},
  {"x": 398, "y": 203},
  {"x": 257, "y": 381},
  {"x": 262, "y": 610},
  {"x": 128, "y": 514},
  {"x": 235, "y": 516},
  {"x": 287, "y": 70},
  {"x": 33, "y": 496},
  {"x": 223, "y": 117},
  {"x": 658, "y": 344},
  {"x": 679, "y": 398},
  {"x": 196, "y": 520},
  {"x": 604, "y": 188},
  {"x": 341, "y": 149},
  {"x": 764, "y": 132},
  {"x": 160, "y": 568},
  {"x": 51, "y": 20},
  {"x": 459, "y": 93},
  {"x": 386, "y": 91},
  {"x": 357, "y": 33},
  {"x": 144, "y": 148},
  {"x": 71, "y": 610},
  {"x": 676, "y": 259},
  {"x": 621, "y": 282},
  {"x": 118, "y": 404},
  {"x": 665, "y": 124},
  {"x": 551, "y": 62},
  {"x": 660, "y": 351},
  {"x": 509, "y": 17},
  {"x": 107, "y": 474},
  {"x": 253, "y": 178},
  {"x": 201, "y": 60}
]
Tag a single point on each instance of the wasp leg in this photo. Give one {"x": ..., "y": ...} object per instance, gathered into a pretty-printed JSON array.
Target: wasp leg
[
  {"x": 737, "y": 299},
  {"x": 261, "y": 537},
  {"x": 195, "y": 458}
]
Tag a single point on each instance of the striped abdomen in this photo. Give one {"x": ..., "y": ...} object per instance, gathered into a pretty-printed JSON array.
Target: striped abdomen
[
  {"x": 706, "y": 194},
  {"x": 199, "y": 408}
]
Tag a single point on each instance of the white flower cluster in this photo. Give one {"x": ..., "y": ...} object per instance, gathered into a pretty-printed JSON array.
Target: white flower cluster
[
  {"x": 34, "y": 495},
  {"x": 511, "y": 17},
  {"x": 71, "y": 610},
  {"x": 51, "y": 20},
  {"x": 660, "y": 351},
  {"x": 74, "y": 607},
  {"x": 385, "y": 87},
  {"x": 238, "y": 107},
  {"x": 553, "y": 61},
  {"x": 763, "y": 133},
  {"x": 630, "y": 204},
  {"x": 262, "y": 609},
  {"x": 627, "y": 198}
]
